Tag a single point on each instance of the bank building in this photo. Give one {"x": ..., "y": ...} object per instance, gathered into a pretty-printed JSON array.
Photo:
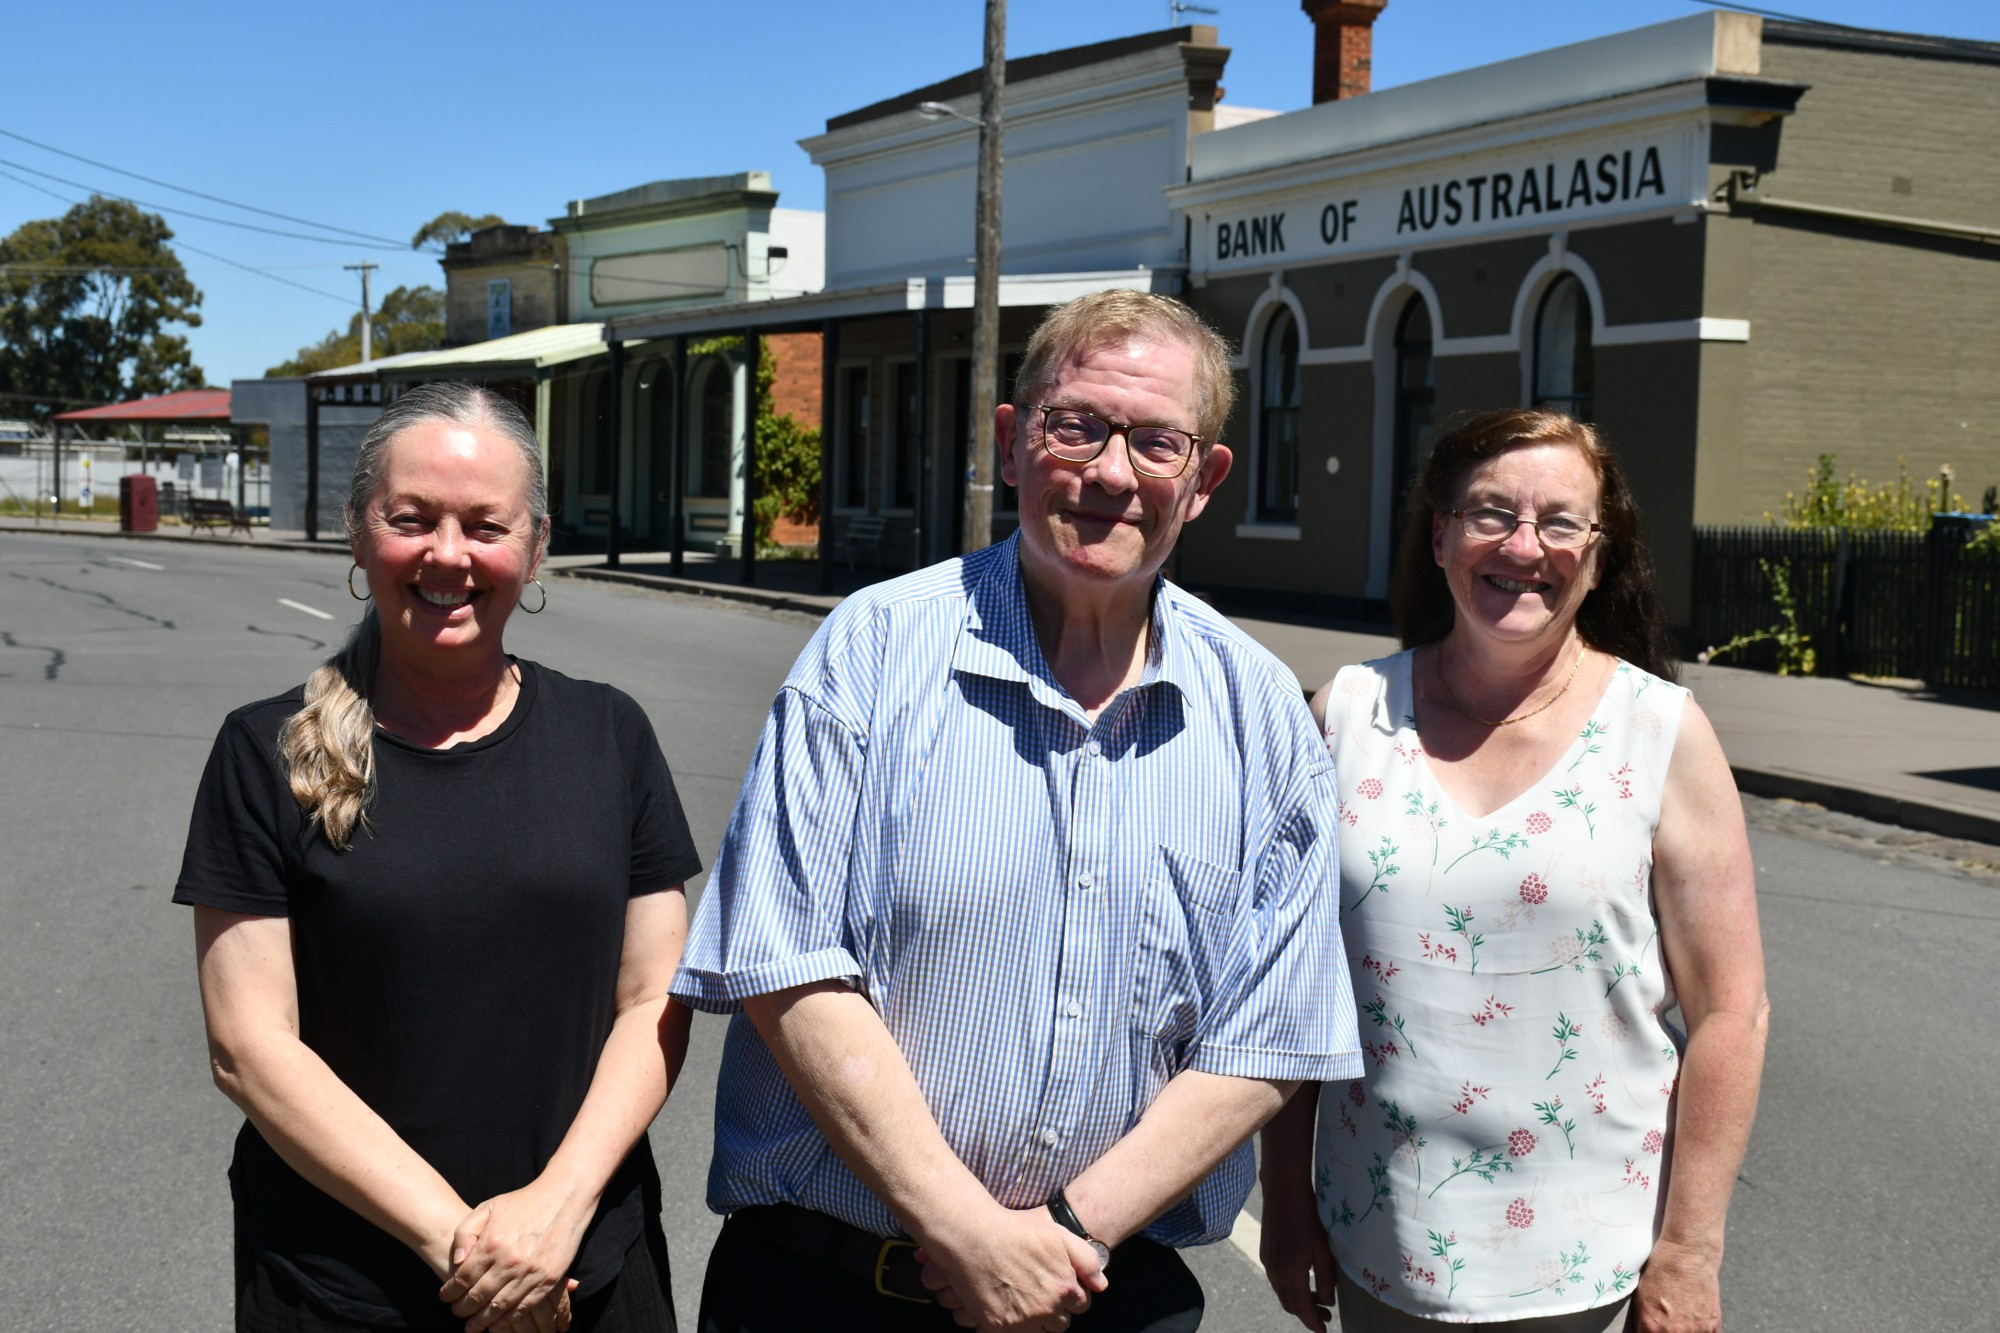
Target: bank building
[{"x": 1733, "y": 243}]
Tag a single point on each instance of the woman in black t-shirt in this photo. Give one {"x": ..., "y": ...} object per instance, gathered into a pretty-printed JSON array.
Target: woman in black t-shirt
[{"x": 437, "y": 909}]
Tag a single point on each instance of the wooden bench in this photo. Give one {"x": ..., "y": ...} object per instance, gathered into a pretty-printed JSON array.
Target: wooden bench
[
  {"x": 203, "y": 513},
  {"x": 862, "y": 532}
]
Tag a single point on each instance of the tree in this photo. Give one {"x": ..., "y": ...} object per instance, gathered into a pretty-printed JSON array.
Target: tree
[
  {"x": 453, "y": 226},
  {"x": 84, "y": 300},
  {"x": 411, "y": 320}
]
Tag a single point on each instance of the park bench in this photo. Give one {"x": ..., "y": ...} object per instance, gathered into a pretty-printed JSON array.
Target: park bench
[
  {"x": 862, "y": 532},
  {"x": 203, "y": 513}
]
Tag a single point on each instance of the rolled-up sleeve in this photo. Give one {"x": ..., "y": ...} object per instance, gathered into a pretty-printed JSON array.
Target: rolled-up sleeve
[
  {"x": 774, "y": 913},
  {"x": 1283, "y": 1007}
]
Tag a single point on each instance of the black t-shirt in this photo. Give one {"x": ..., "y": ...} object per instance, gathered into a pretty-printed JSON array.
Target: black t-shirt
[{"x": 456, "y": 968}]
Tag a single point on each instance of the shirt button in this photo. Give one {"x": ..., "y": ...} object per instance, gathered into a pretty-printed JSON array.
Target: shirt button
[
  {"x": 1084, "y": 880},
  {"x": 1093, "y": 749},
  {"x": 1049, "y": 1138},
  {"x": 1072, "y": 1009}
]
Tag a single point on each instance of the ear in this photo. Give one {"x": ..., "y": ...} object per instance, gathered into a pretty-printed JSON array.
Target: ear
[
  {"x": 1214, "y": 467},
  {"x": 541, "y": 547},
  {"x": 1437, "y": 537},
  {"x": 1006, "y": 425}
]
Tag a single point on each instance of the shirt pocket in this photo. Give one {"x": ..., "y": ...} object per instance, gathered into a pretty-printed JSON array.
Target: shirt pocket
[{"x": 1186, "y": 915}]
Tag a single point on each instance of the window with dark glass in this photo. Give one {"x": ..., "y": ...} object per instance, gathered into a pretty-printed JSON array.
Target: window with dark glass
[
  {"x": 708, "y": 463},
  {"x": 1278, "y": 422},
  {"x": 598, "y": 446},
  {"x": 1416, "y": 397},
  {"x": 907, "y": 465},
  {"x": 1565, "y": 379},
  {"x": 853, "y": 463}
]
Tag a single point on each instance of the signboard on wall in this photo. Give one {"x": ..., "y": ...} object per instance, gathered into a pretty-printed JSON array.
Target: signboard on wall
[
  {"x": 499, "y": 307},
  {"x": 1542, "y": 188},
  {"x": 661, "y": 275}
]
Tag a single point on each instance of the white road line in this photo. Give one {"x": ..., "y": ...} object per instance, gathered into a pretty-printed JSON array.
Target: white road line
[
  {"x": 1247, "y": 1236},
  {"x": 127, "y": 560},
  {"x": 301, "y": 606}
]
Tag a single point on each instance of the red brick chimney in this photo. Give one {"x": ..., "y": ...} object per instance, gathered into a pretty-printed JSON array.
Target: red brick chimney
[{"x": 1343, "y": 46}]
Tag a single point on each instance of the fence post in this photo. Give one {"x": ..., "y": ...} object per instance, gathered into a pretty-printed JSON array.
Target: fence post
[
  {"x": 1937, "y": 607},
  {"x": 1837, "y": 606}
]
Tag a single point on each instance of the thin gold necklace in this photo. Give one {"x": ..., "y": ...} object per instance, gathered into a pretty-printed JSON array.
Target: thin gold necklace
[{"x": 1459, "y": 708}]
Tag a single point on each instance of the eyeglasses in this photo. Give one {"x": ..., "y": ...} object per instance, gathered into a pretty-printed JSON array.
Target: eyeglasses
[
  {"x": 1558, "y": 532},
  {"x": 1077, "y": 436}
]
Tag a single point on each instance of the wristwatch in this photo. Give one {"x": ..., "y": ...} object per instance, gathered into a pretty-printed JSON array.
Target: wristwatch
[{"x": 1066, "y": 1217}]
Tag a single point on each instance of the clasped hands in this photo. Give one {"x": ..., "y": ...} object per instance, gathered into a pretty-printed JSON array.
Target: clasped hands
[
  {"x": 1010, "y": 1269},
  {"x": 510, "y": 1258}
]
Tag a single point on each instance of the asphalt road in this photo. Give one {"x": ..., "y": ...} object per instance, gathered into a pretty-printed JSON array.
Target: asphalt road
[{"x": 1862, "y": 1205}]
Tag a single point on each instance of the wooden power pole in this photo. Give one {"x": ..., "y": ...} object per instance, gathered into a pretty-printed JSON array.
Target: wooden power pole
[{"x": 986, "y": 288}]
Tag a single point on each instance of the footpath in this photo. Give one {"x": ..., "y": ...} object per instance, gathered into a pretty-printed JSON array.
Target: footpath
[{"x": 1895, "y": 755}]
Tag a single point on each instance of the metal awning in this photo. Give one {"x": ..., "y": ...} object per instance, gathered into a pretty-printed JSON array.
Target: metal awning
[
  {"x": 527, "y": 353},
  {"x": 940, "y": 293}
]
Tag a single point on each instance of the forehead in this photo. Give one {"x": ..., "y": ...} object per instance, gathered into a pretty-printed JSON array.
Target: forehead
[
  {"x": 449, "y": 457},
  {"x": 1536, "y": 473},
  {"x": 1136, "y": 366}
]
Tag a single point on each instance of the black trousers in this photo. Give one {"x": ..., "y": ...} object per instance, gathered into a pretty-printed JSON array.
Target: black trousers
[
  {"x": 639, "y": 1300},
  {"x": 753, "y": 1288}
]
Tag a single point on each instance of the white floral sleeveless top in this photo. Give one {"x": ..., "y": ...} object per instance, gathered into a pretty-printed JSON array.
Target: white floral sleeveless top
[{"x": 1503, "y": 1157}]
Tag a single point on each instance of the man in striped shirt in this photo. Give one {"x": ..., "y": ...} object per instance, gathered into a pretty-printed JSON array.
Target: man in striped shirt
[{"x": 1027, "y": 907}]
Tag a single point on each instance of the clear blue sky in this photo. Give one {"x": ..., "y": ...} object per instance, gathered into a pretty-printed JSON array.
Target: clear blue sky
[{"x": 377, "y": 117}]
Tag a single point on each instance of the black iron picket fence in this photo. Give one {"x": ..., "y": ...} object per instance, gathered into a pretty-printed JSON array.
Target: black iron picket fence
[{"x": 1915, "y": 605}]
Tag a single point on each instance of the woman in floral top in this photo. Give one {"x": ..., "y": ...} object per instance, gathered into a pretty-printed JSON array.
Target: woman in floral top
[{"x": 1542, "y": 854}]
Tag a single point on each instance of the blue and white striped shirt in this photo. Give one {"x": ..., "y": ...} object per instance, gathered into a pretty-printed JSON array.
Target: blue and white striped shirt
[{"x": 1053, "y": 916}]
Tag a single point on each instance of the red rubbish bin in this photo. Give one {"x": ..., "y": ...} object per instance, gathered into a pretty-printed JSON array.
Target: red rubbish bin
[{"x": 138, "y": 504}]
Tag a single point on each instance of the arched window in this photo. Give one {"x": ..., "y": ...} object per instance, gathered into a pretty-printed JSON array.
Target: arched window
[
  {"x": 1564, "y": 376},
  {"x": 599, "y": 449},
  {"x": 1278, "y": 422},
  {"x": 1416, "y": 394},
  {"x": 708, "y": 462}
]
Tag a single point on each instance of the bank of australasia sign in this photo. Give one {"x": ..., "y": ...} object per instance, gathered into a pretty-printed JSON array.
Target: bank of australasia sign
[{"x": 1467, "y": 198}]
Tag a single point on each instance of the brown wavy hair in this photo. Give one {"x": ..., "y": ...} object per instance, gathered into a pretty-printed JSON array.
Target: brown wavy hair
[{"x": 1621, "y": 616}]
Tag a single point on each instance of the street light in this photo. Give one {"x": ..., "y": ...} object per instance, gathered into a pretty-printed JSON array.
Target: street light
[{"x": 939, "y": 110}]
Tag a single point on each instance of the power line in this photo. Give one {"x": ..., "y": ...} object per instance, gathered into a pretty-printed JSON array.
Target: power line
[
  {"x": 181, "y": 212},
  {"x": 177, "y": 241},
  {"x": 212, "y": 198}
]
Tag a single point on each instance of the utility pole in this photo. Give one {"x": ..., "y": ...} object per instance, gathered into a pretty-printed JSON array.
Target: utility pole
[
  {"x": 986, "y": 288},
  {"x": 367, "y": 348}
]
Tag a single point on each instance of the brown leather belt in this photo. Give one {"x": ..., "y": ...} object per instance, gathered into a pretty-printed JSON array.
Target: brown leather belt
[{"x": 889, "y": 1265}]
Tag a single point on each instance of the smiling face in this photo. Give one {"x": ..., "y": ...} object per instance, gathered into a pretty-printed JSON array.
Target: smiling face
[
  {"x": 1101, "y": 526},
  {"x": 1515, "y": 589},
  {"x": 448, "y": 543}
]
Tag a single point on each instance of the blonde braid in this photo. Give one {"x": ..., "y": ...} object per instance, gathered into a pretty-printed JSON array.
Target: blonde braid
[{"x": 328, "y": 746}]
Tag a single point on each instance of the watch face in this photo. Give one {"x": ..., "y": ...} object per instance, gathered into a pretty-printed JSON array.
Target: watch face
[{"x": 1103, "y": 1253}]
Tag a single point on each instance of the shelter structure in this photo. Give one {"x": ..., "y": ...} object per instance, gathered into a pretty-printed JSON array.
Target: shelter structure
[{"x": 196, "y": 420}]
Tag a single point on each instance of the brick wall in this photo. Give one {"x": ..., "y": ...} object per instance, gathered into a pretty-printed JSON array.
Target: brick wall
[{"x": 795, "y": 392}]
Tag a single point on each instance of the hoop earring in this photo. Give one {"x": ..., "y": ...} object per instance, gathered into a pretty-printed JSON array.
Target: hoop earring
[
  {"x": 543, "y": 606},
  {"x": 357, "y": 596}
]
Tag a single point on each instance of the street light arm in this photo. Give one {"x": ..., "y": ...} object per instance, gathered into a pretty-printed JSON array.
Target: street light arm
[{"x": 939, "y": 110}]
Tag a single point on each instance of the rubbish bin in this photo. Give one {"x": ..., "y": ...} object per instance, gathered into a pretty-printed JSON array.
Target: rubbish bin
[{"x": 138, "y": 504}]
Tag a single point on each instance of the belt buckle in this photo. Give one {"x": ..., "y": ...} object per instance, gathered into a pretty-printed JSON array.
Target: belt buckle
[{"x": 882, "y": 1262}]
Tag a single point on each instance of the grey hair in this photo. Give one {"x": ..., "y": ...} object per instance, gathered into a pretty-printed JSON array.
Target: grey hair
[
  {"x": 328, "y": 746},
  {"x": 458, "y": 404}
]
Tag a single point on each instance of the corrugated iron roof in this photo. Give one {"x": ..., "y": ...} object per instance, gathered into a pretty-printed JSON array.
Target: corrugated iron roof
[
  {"x": 187, "y": 405},
  {"x": 537, "y": 347}
]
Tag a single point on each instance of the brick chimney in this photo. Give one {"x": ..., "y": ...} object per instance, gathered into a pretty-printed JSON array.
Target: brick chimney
[{"x": 1343, "y": 46}]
